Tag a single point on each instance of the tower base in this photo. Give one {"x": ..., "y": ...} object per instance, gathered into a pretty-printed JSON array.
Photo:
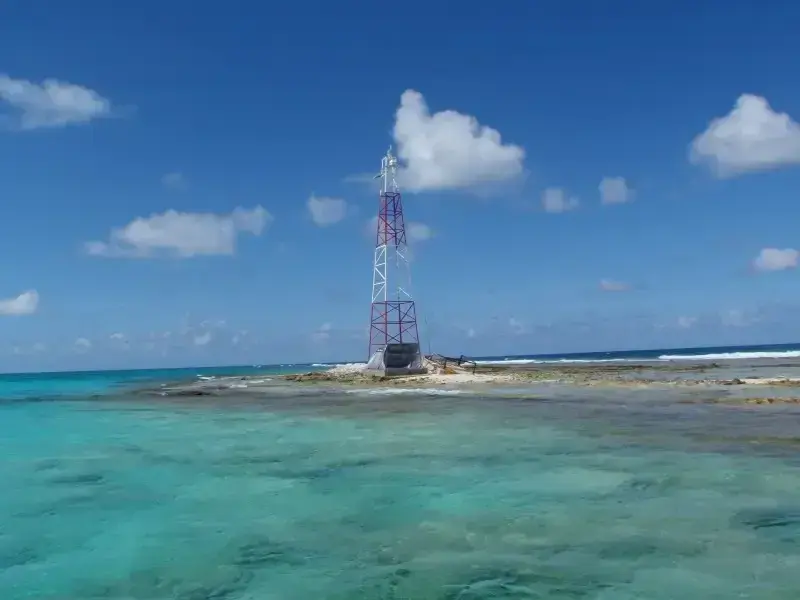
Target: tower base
[{"x": 396, "y": 359}]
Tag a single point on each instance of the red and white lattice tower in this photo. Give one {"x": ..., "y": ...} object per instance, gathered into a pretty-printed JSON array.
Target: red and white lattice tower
[{"x": 393, "y": 318}]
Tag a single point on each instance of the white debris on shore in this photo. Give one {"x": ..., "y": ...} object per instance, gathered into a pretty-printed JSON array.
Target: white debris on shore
[
  {"x": 769, "y": 380},
  {"x": 436, "y": 374},
  {"x": 359, "y": 368},
  {"x": 347, "y": 369}
]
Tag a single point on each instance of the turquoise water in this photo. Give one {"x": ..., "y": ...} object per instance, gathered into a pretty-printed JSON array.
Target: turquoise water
[
  {"x": 82, "y": 383},
  {"x": 292, "y": 494}
]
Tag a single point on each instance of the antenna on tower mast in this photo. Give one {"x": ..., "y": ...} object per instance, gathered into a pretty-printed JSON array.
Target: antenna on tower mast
[{"x": 388, "y": 172}]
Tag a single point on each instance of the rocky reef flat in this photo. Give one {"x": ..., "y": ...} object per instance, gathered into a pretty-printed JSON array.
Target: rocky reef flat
[
  {"x": 581, "y": 374},
  {"x": 756, "y": 383}
]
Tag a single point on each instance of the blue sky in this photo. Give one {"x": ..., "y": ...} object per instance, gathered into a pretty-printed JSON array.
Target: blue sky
[{"x": 133, "y": 131}]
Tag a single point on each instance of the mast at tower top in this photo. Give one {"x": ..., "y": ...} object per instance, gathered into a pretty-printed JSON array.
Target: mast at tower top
[{"x": 388, "y": 173}]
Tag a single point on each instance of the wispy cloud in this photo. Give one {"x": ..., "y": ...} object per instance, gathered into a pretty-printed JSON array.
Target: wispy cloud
[{"x": 51, "y": 103}]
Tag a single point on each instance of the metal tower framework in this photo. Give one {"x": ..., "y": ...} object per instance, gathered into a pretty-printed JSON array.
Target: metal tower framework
[{"x": 393, "y": 317}]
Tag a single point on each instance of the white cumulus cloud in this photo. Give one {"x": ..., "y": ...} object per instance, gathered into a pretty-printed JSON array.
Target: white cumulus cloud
[
  {"x": 609, "y": 285},
  {"x": 51, "y": 103},
  {"x": 326, "y": 211},
  {"x": 516, "y": 326},
  {"x": 182, "y": 235},
  {"x": 418, "y": 232},
  {"x": 752, "y": 137},
  {"x": 686, "y": 322},
  {"x": 82, "y": 345},
  {"x": 203, "y": 339},
  {"x": 556, "y": 200},
  {"x": 323, "y": 333},
  {"x": 24, "y": 304},
  {"x": 615, "y": 190},
  {"x": 776, "y": 259},
  {"x": 36, "y": 348},
  {"x": 449, "y": 150}
]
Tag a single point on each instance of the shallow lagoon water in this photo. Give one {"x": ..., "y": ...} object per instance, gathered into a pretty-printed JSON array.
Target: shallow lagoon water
[{"x": 325, "y": 494}]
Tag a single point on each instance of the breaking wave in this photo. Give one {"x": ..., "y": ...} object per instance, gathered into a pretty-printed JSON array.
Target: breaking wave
[
  {"x": 548, "y": 361},
  {"x": 732, "y": 355},
  {"x": 644, "y": 358}
]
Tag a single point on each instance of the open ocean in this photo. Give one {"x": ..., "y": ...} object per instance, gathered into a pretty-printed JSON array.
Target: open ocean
[
  {"x": 311, "y": 492},
  {"x": 659, "y": 355},
  {"x": 706, "y": 353}
]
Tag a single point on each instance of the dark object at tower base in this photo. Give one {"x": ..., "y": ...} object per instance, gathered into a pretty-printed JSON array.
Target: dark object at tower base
[{"x": 396, "y": 359}]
